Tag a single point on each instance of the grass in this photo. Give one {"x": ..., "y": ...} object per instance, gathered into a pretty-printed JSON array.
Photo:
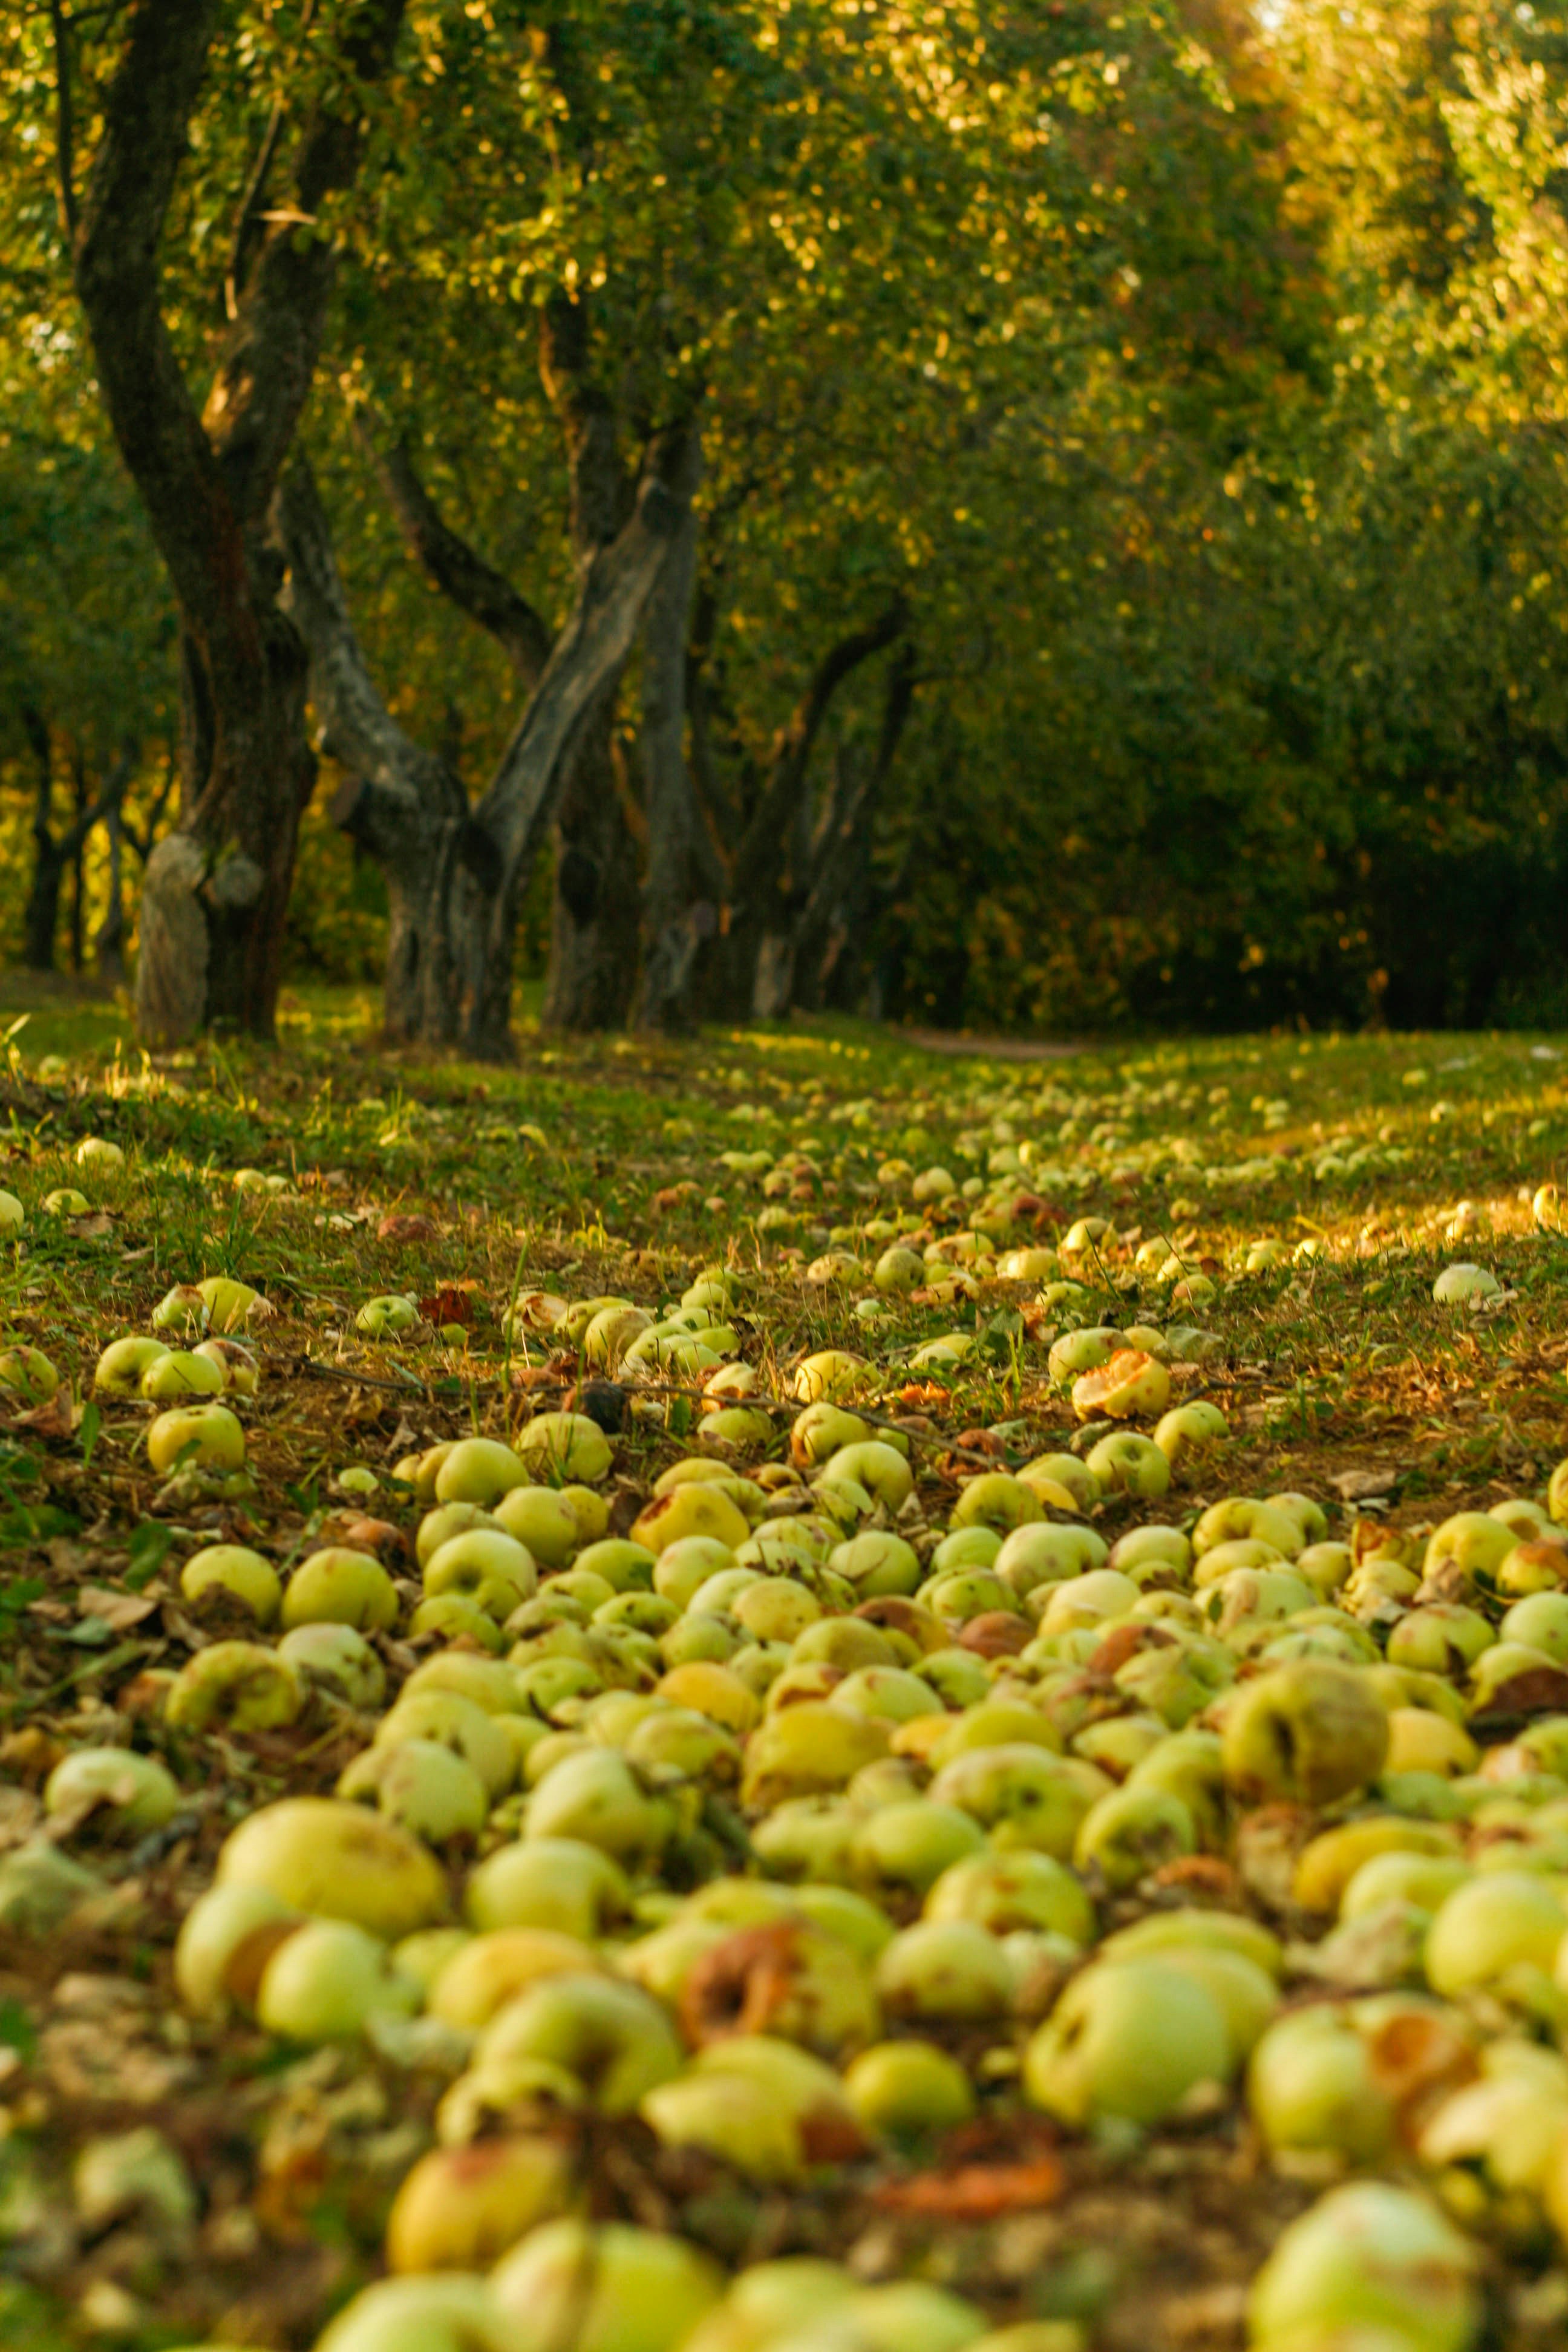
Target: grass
[{"x": 1311, "y": 1190}]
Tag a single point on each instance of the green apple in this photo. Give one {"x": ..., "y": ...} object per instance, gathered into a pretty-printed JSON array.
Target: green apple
[
  {"x": 338, "y": 1661},
  {"x": 319, "y": 1854},
  {"x": 907, "y": 2089},
  {"x": 597, "y": 1799},
  {"x": 117, "y": 1787},
  {"x": 233, "y": 1305},
  {"x": 479, "y": 1470},
  {"x": 425, "y": 1787},
  {"x": 236, "y": 1570},
  {"x": 564, "y": 1445},
  {"x": 478, "y": 1977},
  {"x": 181, "y": 1309},
  {"x": 240, "y": 1371},
  {"x": 239, "y": 1687},
  {"x": 1005, "y": 1892},
  {"x": 1130, "y": 2038},
  {"x": 945, "y": 1972},
  {"x": 544, "y": 1881},
  {"x": 201, "y": 1437},
  {"x": 1495, "y": 1924},
  {"x": 387, "y": 1316},
  {"x": 227, "y": 1929},
  {"x": 340, "y": 1586},
  {"x": 1133, "y": 1833},
  {"x": 326, "y": 1980},
  {"x": 1308, "y": 1732},
  {"x": 1021, "y": 1795},
  {"x": 446, "y": 2312},
  {"x": 122, "y": 1363},
  {"x": 484, "y": 1565},
  {"x": 611, "y": 2037},
  {"x": 461, "y": 2207},
  {"x": 180, "y": 1373},
  {"x": 905, "y": 1848},
  {"x": 996, "y": 1499},
  {"x": 27, "y": 1373},
  {"x": 456, "y": 1721},
  {"x": 1369, "y": 2257},
  {"x": 1126, "y": 1464}
]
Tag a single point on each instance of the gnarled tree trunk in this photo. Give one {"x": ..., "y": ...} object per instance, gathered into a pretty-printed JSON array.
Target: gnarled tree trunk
[
  {"x": 457, "y": 872},
  {"x": 683, "y": 877},
  {"x": 830, "y": 932},
  {"x": 751, "y": 968},
  {"x": 217, "y": 889},
  {"x": 56, "y": 855},
  {"x": 593, "y": 964}
]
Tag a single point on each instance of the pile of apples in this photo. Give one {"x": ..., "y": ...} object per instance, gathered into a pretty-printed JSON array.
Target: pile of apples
[{"x": 803, "y": 1824}]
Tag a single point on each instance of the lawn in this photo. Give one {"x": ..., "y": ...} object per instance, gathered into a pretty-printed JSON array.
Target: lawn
[{"x": 943, "y": 1250}]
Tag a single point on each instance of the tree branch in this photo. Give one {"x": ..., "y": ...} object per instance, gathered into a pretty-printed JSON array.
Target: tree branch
[
  {"x": 146, "y": 118},
  {"x": 591, "y": 648},
  {"x": 279, "y": 311},
  {"x": 116, "y": 785},
  {"x": 777, "y": 813},
  {"x": 451, "y": 564},
  {"x": 359, "y": 731},
  {"x": 599, "y": 487}
]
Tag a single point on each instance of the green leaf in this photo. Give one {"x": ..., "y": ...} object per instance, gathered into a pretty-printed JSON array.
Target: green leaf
[
  {"x": 150, "y": 1547},
  {"x": 16, "y": 2031}
]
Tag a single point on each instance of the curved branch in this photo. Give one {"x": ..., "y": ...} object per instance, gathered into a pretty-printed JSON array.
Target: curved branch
[
  {"x": 281, "y": 308},
  {"x": 359, "y": 731},
  {"x": 590, "y": 650},
  {"x": 451, "y": 564},
  {"x": 774, "y": 821}
]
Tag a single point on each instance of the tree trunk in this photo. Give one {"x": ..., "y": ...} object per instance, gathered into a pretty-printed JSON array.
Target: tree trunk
[
  {"x": 676, "y": 916},
  {"x": 109, "y": 940},
  {"x": 593, "y": 961},
  {"x": 41, "y": 920},
  {"x": 78, "y": 880},
  {"x": 829, "y": 935},
  {"x": 752, "y": 966},
  {"x": 458, "y": 875},
  {"x": 215, "y": 891}
]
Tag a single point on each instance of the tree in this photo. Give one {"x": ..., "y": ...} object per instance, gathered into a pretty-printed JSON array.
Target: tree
[
  {"x": 215, "y": 889},
  {"x": 791, "y": 226},
  {"x": 456, "y": 872}
]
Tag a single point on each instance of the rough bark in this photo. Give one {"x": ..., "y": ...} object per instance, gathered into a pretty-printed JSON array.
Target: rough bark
[
  {"x": 56, "y": 855},
  {"x": 109, "y": 939},
  {"x": 457, "y": 874},
  {"x": 215, "y": 891},
  {"x": 752, "y": 966},
  {"x": 592, "y": 969},
  {"x": 677, "y": 910},
  {"x": 829, "y": 935}
]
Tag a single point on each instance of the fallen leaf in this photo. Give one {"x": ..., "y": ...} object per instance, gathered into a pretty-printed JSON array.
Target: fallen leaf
[
  {"x": 1361, "y": 1485},
  {"x": 118, "y": 1611},
  {"x": 452, "y": 1303},
  {"x": 976, "y": 2192},
  {"x": 401, "y": 1229}
]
